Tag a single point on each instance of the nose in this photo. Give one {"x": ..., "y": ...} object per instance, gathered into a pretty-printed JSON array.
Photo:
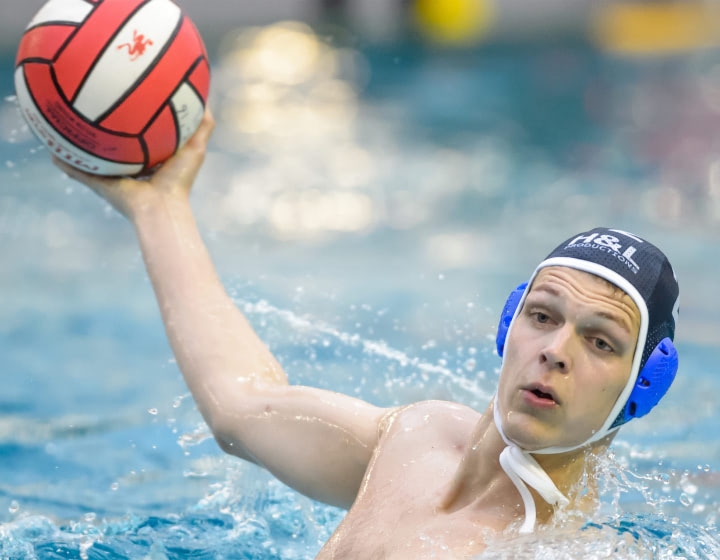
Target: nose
[{"x": 556, "y": 354}]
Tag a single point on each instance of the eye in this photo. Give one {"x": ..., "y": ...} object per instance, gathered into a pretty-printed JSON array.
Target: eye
[
  {"x": 541, "y": 317},
  {"x": 600, "y": 344}
]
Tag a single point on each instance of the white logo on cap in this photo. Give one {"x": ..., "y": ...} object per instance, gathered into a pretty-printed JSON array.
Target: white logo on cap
[{"x": 610, "y": 244}]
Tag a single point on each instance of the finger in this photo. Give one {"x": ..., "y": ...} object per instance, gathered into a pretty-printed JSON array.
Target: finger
[
  {"x": 190, "y": 157},
  {"x": 204, "y": 131},
  {"x": 96, "y": 182},
  {"x": 208, "y": 119}
]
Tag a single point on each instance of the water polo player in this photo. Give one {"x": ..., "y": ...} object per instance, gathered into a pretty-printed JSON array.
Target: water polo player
[{"x": 586, "y": 346}]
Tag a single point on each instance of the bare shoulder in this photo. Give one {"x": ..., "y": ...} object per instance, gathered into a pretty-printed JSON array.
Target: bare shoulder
[{"x": 442, "y": 418}]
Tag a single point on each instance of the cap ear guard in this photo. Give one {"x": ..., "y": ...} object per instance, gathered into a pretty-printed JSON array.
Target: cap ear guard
[
  {"x": 507, "y": 315},
  {"x": 652, "y": 383}
]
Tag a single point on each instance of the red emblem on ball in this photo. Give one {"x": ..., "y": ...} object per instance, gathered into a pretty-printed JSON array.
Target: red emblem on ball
[{"x": 138, "y": 46}]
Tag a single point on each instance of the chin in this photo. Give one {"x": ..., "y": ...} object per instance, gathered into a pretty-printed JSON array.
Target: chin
[
  {"x": 531, "y": 437},
  {"x": 528, "y": 435},
  {"x": 531, "y": 434}
]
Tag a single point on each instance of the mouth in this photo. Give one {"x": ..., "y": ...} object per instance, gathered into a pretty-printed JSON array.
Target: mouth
[{"x": 542, "y": 394}]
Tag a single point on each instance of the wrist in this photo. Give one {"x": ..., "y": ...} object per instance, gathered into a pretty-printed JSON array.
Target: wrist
[{"x": 154, "y": 204}]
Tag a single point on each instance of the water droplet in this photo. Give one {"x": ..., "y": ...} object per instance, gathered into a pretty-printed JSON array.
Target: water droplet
[
  {"x": 153, "y": 411},
  {"x": 114, "y": 486},
  {"x": 11, "y": 98},
  {"x": 685, "y": 499},
  {"x": 90, "y": 516},
  {"x": 9, "y": 164},
  {"x": 14, "y": 507},
  {"x": 179, "y": 400}
]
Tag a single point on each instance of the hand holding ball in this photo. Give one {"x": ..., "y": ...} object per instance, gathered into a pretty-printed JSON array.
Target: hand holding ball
[{"x": 112, "y": 87}]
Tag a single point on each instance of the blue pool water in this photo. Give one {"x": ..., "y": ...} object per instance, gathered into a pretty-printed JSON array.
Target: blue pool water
[{"x": 370, "y": 216}]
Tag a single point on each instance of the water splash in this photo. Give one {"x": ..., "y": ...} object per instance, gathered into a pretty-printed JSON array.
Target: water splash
[
  {"x": 200, "y": 434},
  {"x": 625, "y": 537},
  {"x": 416, "y": 375}
]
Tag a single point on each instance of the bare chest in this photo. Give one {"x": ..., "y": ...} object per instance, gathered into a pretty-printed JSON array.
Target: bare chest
[
  {"x": 398, "y": 513},
  {"x": 413, "y": 531}
]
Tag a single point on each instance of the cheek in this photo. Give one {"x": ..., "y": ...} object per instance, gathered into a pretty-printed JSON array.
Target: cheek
[
  {"x": 599, "y": 390},
  {"x": 516, "y": 358}
]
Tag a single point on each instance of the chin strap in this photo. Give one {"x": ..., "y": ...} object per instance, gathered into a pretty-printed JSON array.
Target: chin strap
[{"x": 524, "y": 470}]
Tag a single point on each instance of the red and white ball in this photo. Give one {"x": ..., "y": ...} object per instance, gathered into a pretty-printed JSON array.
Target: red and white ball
[{"x": 113, "y": 87}]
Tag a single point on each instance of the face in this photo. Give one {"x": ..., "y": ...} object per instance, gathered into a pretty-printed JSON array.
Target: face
[{"x": 567, "y": 359}]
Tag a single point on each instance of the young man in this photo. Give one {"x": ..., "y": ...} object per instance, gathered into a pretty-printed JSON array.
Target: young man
[{"x": 586, "y": 347}]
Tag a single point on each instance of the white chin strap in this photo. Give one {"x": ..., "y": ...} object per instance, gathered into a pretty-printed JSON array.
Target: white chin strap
[{"x": 523, "y": 470}]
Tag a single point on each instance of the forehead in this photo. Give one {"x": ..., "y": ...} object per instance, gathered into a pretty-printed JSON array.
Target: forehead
[{"x": 606, "y": 298}]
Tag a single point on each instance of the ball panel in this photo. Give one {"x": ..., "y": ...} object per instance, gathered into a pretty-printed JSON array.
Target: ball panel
[
  {"x": 44, "y": 42},
  {"x": 57, "y": 144},
  {"x": 131, "y": 54},
  {"x": 199, "y": 39},
  {"x": 59, "y": 11},
  {"x": 138, "y": 108},
  {"x": 188, "y": 108},
  {"x": 161, "y": 137},
  {"x": 91, "y": 39},
  {"x": 84, "y": 135},
  {"x": 200, "y": 79}
]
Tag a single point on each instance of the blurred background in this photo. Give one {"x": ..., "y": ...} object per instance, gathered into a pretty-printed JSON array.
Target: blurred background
[
  {"x": 457, "y": 120},
  {"x": 383, "y": 174}
]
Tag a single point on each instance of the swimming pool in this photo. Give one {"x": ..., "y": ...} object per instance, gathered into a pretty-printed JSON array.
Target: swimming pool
[{"x": 370, "y": 215}]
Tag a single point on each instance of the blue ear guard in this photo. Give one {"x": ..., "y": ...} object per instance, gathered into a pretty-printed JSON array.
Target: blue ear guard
[
  {"x": 652, "y": 382},
  {"x": 507, "y": 315}
]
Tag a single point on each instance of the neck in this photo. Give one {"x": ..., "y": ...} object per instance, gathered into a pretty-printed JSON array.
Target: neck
[
  {"x": 573, "y": 474},
  {"x": 480, "y": 481}
]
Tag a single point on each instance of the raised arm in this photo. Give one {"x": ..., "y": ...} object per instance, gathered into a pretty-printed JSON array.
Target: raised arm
[{"x": 318, "y": 442}]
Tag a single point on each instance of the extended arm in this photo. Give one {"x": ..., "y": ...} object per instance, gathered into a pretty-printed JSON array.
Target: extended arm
[{"x": 317, "y": 441}]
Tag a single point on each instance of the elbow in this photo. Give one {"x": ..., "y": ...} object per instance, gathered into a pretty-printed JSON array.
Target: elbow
[
  {"x": 226, "y": 445},
  {"x": 228, "y": 439}
]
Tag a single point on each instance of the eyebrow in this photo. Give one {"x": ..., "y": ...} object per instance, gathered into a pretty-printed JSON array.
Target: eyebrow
[
  {"x": 545, "y": 288},
  {"x": 617, "y": 319},
  {"x": 622, "y": 323}
]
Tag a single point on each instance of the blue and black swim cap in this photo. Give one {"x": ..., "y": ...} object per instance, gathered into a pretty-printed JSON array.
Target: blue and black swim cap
[{"x": 643, "y": 272}]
